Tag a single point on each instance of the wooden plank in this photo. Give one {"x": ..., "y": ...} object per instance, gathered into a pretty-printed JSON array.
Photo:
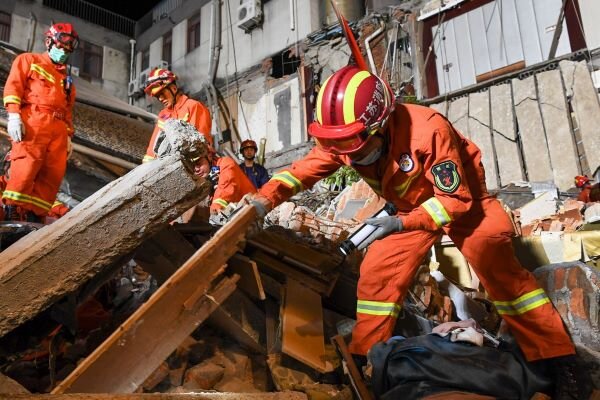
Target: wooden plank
[
  {"x": 531, "y": 130},
  {"x": 481, "y": 135},
  {"x": 505, "y": 138},
  {"x": 142, "y": 342},
  {"x": 563, "y": 151},
  {"x": 242, "y": 320},
  {"x": 250, "y": 281},
  {"x": 163, "y": 254},
  {"x": 359, "y": 386},
  {"x": 266, "y": 261},
  {"x": 302, "y": 326}
]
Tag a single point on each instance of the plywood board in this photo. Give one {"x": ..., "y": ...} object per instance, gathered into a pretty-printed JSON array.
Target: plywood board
[{"x": 302, "y": 321}]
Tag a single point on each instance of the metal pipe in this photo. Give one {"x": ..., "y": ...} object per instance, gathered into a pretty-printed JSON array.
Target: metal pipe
[
  {"x": 368, "y": 47},
  {"x": 215, "y": 52},
  {"x": 131, "y": 66},
  {"x": 292, "y": 16}
]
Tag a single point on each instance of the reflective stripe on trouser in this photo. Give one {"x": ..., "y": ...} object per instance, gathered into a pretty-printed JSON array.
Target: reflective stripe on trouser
[
  {"x": 38, "y": 165},
  {"x": 484, "y": 237}
]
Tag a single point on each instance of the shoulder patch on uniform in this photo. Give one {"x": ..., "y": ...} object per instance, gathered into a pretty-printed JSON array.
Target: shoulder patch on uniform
[{"x": 446, "y": 177}]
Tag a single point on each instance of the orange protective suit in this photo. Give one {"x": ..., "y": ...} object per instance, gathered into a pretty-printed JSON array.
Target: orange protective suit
[
  {"x": 232, "y": 186},
  {"x": 434, "y": 177},
  {"x": 185, "y": 109},
  {"x": 589, "y": 193},
  {"x": 35, "y": 88}
]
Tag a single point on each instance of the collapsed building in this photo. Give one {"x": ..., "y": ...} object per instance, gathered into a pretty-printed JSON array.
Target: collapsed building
[{"x": 129, "y": 279}]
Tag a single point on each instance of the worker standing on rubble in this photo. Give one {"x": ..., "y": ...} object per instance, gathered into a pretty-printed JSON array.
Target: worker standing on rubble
[
  {"x": 257, "y": 174},
  {"x": 230, "y": 182},
  {"x": 412, "y": 156},
  {"x": 39, "y": 95},
  {"x": 162, "y": 84}
]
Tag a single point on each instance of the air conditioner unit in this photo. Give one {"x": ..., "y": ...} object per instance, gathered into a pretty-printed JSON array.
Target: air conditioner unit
[
  {"x": 249, "y": 14},
  {"x": 143, "y": 78},
  {"x": 133, "y": 88}
]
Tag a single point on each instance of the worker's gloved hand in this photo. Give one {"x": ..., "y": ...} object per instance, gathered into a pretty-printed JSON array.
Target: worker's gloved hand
[
  {"x": 15, "y": 127},
  {"x": 69, "y": 147},
  {"x": 261, "y": 204},
  {"x": 385, "y": 226}
]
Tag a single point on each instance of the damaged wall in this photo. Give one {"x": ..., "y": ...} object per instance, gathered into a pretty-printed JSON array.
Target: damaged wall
[{"x": 525, "y": 128}]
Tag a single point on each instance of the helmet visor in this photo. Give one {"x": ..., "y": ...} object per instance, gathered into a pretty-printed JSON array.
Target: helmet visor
[
  {"x": 66, "y": 41},
  {"x": 345, "y": 145}
]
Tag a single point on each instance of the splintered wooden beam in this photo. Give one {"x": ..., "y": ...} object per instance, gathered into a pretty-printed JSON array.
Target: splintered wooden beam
[
  {"x": 140, "y": 344},
  {"x": 359, "y": 386},
  {"x": 250, "y": 281}
]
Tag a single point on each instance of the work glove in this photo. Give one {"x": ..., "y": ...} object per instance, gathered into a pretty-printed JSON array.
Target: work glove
[
  {"x": 15, "y": 127},
  {"x": 385, "y": 226},
  {"x": 69, "y": 147}
]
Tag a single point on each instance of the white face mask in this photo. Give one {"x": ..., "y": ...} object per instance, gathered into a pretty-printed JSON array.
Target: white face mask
[{"x": 370, "y": 158}]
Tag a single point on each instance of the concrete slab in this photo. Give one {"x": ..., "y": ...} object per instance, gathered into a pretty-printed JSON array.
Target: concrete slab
[
  {"x": 442, "y": 107},
  {"x": 563, "y": 152},
  {"x": 59, "y": 258},
  {"x": 481, "y": 134},
  {"x": 584, "y": 100},
  {"x": 531, "y": 129},
  {"x": 458, "y": 113},
  {"x": 504, "y": 136}
]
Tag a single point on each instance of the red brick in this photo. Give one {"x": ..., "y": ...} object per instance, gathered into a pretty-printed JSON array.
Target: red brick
[
  {"x": 572, "y": 278},
  {"x": 578, "y": 304},
  {"x": 559, "y": 278}
]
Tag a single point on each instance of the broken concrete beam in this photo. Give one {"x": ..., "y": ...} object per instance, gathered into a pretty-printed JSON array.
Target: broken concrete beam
[{"x": 57, "y": 259}]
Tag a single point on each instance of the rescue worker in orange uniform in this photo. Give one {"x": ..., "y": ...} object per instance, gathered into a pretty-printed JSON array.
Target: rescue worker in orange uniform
[
  {"x": 257, "y": 174},
  {"x": 589, "y": 193},
  {"x": 39, "y": 97},
  {"x": 231, "y": 184},
  {"x": 162, "y": 84},
  {"x": 413, "y": 157}
]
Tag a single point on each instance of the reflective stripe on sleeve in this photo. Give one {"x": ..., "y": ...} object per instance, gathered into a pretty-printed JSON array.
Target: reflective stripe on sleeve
[
  {"x": 437, "y": 212},
  {"x": 11, "y": 99},
  {"x": 378, "y": 308},
  {"x": 148, "y": 158},
  {"x": 221, "y": 202},
  {"x": 521, "y": 305},
  {"x": 289, "y": 180}
]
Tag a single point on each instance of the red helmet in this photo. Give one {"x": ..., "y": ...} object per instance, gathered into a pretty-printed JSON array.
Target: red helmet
[
  {"x": 352, "y": 105},
  {"x": 581, "y": 180},
  {"x": 64, "y": 35},
  {"x": 248, "y": 143},
  {"x": 159, "y": 79}
]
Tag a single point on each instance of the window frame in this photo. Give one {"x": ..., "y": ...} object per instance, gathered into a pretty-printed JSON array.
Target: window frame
[
  {"x": 5, "y": 26},
  {"x": 167, "y": 47},
  {"x": 193, "y": 42}
]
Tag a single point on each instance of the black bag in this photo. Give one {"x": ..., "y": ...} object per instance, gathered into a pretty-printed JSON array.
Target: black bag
[{"x": 423, "y": 365}]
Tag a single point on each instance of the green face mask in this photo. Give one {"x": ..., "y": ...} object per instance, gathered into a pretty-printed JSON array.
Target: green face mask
[{"x": 57, "y": 55}]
